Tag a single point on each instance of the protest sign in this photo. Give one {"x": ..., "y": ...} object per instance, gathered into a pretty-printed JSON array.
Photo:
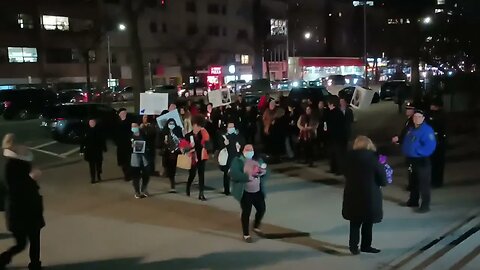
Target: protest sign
[
  {"x": 362, "y": 98},
  {"x": 153, "y": 103},
  {"x": 162, "y": 119},
  {"x": 219, "y": 97}
]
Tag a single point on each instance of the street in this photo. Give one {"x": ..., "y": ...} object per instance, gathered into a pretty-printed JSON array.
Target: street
[{"x": 102, "y": 226}]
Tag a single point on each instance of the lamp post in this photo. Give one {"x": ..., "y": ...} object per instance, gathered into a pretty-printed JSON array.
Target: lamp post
[
  {"x": 121, "y": 27},
  {"x": 365, "y": 55}
]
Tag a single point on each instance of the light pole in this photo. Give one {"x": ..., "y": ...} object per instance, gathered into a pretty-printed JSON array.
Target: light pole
[
  {"x": 365, "y": 56},
  {"x": 121, "y": 27}
]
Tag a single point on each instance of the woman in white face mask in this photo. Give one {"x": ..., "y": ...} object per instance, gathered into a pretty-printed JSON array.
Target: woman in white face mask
[
  {"x": 24, "y": 211},
  {"x": 233, "y": 143},
  {"x": 248, "y": 179},
  {"x": 172, "y": 135}
]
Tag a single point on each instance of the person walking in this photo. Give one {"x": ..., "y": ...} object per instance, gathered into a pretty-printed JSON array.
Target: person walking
[
  {"x": 197, "y": 140},
  {"x": 307, "y": 124},
  {"x": 362, "y": 196},
  {"x": 321, "y": 133},
  {"x": 337, "y": 136},
  {"x": 419, "y": 144},
  {"x": 248, "y": 180},
  {"x": 437, "y": 120},
  {"x": 139, "y": 162},
  {"x": 123, "y": 142},
  {"x": 24, "y": 204},
  {"x": 173, "y": 135},
  {"x": 92, "y": 148},
  {"x": 268, "y": 120},
  {"x": 187, "y": 120},
  {"x": 251, "y": 119},
  {"x": 149, "y": 130},
  {"x": 233, "y": 142},
  {"x": 291, "y": 139}
]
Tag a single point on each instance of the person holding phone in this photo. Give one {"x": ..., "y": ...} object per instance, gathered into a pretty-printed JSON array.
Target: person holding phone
[
  {"x": 172, "y": 136},
  {"x": 139, "y": 163}
]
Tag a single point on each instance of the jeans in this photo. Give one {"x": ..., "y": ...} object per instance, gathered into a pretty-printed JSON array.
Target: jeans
[
  {"x": 200, "y": 168},
  {"x": 141, "y": 177},
  {"x": 21, "y": 242},
  {"x": 421, "y": 180},
  {"x": 256, "y": 200},
  {"x": 355, "y": 234},
  {"x": 95, "y": 169}
]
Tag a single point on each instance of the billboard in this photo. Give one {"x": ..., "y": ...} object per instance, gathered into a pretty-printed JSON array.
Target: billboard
[{"x": 278, "y": 27}]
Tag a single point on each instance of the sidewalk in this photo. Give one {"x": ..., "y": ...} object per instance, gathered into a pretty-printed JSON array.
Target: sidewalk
[{"x": 103, "y": 227}]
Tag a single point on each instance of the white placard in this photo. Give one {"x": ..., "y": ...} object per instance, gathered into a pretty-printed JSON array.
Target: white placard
[
  {"x": 162, "y": 119},
  {"x": 362, "y": 98},
  {"x": 219, "y": 97},
  {"x": 153, "y": 103}
]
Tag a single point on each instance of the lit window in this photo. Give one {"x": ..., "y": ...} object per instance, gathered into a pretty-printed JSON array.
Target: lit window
[
  {"x": 22, "y": 55},
  {"x": 244, "y": 59},
  {"x": 25, "y": 21},
  {"x": 438, "y": 10},
  {"x": 55, "y": 23}
]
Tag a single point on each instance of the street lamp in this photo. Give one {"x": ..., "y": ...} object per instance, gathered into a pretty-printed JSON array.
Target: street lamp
[
  {"x": 121, "y": 27},
  {"x": 308, "y": 35},
  {"x": 427, "y": 20}
]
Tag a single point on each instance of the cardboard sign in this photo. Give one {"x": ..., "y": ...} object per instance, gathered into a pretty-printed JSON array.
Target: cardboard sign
[
  {"x": 362, "y": 98},
  {"x": 219, "y": 97},
  {"x": 162, "y": 119},
  {"x": 153, "y": 103}
]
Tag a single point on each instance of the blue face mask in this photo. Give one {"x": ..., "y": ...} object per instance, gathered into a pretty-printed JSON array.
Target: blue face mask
[
  {"x": 249, "y": 154},
  {"x": 135, "y": 130},
  {"x": 171, "y": 127},
  {"x": 231, "y": 130}
]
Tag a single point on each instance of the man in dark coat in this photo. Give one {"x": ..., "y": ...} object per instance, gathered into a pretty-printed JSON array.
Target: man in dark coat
[
  {"x": 123, "y": 141},
  {"x": 437, "y": 120},
  {"x": 362, "y": 198},
  {"x": 24, "y": 211},
  {"x": 92, "y": 147},
  {"x": 233, "y": 142},
  {"x": 349, "y": 118},
  {"x": 337, "y": 136}
]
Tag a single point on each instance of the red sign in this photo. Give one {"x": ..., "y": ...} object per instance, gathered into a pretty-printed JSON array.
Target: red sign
[{"x": 216, "y": 70}]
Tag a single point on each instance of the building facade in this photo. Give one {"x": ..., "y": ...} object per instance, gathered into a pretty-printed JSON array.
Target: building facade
[{"x": 48, "y": 41}]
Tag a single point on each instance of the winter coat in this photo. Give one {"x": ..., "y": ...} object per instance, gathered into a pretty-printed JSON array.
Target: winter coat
[
  {"x": 336, "y": 127},
  {"x": 240, "y": 179},
  {"x": 93, "y": 145},
  {"x": 233, "y": 139},
  {"x": 24, "y": 204},
  {"x": 200, "y": 139},
  {"x": 362, "y": 197}
]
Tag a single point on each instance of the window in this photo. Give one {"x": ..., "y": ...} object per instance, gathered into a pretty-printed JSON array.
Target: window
[
  {"x": 153, "y": 27},
  {"x": 25, "y": 21},
  {"x": 224, "y": 10},
  {"x": 213, "y": 9},
  {"x": 242, "y": 34},
  {"x": 22, "y": 55},
  {"x": 192, "y": 29},
  {"x": 213, "y": 31},
  {"x": 55, "y": 23},
  {"x": 164, "y": 28},
  {"x": 244, "y": 59},
  {"x": 191, "y": 6}
]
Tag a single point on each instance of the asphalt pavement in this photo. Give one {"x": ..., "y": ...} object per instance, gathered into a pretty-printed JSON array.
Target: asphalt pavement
[{"x": 103, "y": 227}]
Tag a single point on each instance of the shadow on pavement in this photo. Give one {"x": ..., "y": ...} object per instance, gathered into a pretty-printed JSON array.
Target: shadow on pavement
[{"x": 215, "y": 261}]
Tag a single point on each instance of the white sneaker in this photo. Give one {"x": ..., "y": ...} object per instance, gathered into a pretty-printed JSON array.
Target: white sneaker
[
  {"x": 248, "y": 239},
  {"x": 145, "y": 194},
  {"x": 257, "y": 231}
]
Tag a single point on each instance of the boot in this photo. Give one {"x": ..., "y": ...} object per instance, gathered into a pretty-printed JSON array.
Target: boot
[
  {"x": 188, "y": 190},
  {"x": 35, "y": 266},
  {"x": 201, "y": 197}
]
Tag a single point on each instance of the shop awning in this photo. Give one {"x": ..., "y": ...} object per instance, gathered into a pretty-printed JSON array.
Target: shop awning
[{"x": 330, "y": 62}]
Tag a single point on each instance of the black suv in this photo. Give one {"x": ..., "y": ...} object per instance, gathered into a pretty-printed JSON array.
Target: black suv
[
  {"x": 314, "y": 94},
  {"x": 68, "y": 122},
  {"x": 25, "y": 104}
]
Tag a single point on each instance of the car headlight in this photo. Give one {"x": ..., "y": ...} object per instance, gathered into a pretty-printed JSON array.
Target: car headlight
[
  {"x": 347, "y": 81},
  {"x": 329, "y": 82}
]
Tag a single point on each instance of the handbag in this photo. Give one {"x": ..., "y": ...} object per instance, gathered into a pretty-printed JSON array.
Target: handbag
[
  {"x": 184, "y": 162},
  {"x": 223, "y": 155}
]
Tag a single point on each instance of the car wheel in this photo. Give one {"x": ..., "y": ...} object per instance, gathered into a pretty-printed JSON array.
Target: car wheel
[{"x": 23, "y": 114}]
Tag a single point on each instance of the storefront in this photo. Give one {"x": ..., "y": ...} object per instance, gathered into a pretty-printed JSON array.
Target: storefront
[
  {"x": 278, "y": 70},
  {"x": 317, "y": 68},
  {"x": 238, "y": 72}
]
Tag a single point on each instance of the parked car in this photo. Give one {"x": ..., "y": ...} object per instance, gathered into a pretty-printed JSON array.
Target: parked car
[
  {"x": 354, "y": 80},
  {"x": 282, "y": 85},
  {"x": 349, "y": 91},
  {"x": 68, "y": 122},
  {"x": 335, "y": 83},
  {"x": 126, "y": 94},
  {"x": 251, "y": 100},
  {"x": 105, "y": 95},
  {"x": 187, "y": 90},
  {"x": 235, "y": 86},
  {"x": 25, "y": 104},
  {"x": 72, "y": 96},
  {"x": 171, "y": 90},
  {"x": 257, "y": 87},
  {"x": 302, "y": 95}
]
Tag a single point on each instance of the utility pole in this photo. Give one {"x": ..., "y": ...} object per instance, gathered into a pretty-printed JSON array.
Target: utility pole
[{"x": 365, "y": 55}]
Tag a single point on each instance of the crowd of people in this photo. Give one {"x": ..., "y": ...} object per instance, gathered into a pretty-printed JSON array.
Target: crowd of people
[{"x": 287, "y": 131}]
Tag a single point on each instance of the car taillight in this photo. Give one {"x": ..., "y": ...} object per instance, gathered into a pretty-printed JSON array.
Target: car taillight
[
  {"x": 59, "y": 119},
  {"x": 7, "y": 104},
  {"x": 85, "y": 97}
]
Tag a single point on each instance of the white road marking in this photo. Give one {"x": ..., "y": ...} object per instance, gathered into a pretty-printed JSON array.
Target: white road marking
[
  {"x": 43, "y": 145},
  {"x": 68, "y": 153},
  {"x": 47, "y": 152}
]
